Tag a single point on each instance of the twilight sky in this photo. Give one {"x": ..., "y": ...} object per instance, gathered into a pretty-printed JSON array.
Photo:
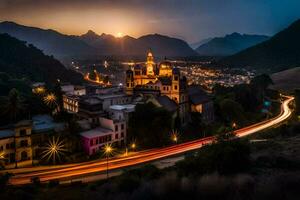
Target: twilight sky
[{"x": 191, "y": 20}]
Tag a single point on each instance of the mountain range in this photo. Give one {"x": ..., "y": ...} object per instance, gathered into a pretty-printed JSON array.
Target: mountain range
[
  {"x": 20, "y": 60},
  {"x": 278, "y": 53},
  {"x": 195, "y": 45},
  {"x": 60, "y": 45},
  {"x": 229, "y": 44}
]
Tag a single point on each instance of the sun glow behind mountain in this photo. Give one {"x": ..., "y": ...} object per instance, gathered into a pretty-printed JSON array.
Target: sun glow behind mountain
[{"x": 119, "y": 35}]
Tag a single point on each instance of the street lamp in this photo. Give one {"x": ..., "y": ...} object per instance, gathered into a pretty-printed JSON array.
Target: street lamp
[
  {"x": 133, "y": 146},
  {"x": 234, "y": 125},
  {"x": 174, "y": 136},
  {"x": 107, "y": 151},
  {"x": 54, "y": 149}
]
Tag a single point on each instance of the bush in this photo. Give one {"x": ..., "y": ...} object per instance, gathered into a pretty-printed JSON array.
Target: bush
[{"x": 225, "y": 157}]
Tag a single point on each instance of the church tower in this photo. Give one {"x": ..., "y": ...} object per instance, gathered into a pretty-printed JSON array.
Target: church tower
[
  {"x": 150, "y": 64},
  {"x": 129, "y": 82}
]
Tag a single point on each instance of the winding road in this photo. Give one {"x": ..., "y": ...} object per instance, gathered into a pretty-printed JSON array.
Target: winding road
[{"x": 65, "y": 172}]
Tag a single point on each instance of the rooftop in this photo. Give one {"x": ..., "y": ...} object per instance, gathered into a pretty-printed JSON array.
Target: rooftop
[
  {"x": 44, "y": 123},
  {"x": 96, "y": 132},
  {"x": 6, "y": 133},
  {"x": 122, "y": 107},
  {"x": 197, "y": 94}
]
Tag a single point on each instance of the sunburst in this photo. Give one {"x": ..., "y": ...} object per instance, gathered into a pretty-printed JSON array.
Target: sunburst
[
  {"x": 54, "y": 150},
  {"x": 174, "y": 136},
  {"x": 1, "y": 155},
  {"x": 50, "y": 99}
]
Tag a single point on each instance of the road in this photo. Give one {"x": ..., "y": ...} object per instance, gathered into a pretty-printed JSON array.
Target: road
[{"x": 65, "y": 172}]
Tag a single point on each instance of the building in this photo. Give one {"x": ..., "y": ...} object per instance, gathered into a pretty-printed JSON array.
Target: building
[
  {"x": 109, "y": 132},
  {"x": 94, "y": 139},
  {"x": 73, "y": 89},
  {"x": 159, "y": 80},
  {"x": 43, "y": 129},
  {"x": 200, "y": 102},
  {"x": 15, "y": 144},
  {"x": 71, "y": 103},
  {"x": 94, "y": 106},
  {"x": 121, "y": 112}
]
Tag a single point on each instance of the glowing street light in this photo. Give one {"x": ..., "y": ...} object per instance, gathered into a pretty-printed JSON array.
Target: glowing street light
[
  {"x": 174, "y": 136},
  {"x": 54, "y": 149},
  {"x": 108, "y": 150},
  {"x": 234, "y": 125},
  {"x": 39, "y": 90},
  {"x": 2, "y": 155},
  {"x": 50, "y": 99},
  {"x": 133, "y": 145}
]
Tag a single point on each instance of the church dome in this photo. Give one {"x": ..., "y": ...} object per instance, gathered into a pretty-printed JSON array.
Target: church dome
[{"x": 165, "y": 65}]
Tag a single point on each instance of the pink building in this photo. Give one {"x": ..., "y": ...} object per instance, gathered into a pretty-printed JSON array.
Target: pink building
[
  {"x": 110, "y": 131},
  {"x": 94, "y": 140}
]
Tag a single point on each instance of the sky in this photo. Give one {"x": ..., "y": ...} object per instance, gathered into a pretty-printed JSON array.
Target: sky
[{"x": 191, "y": 20}]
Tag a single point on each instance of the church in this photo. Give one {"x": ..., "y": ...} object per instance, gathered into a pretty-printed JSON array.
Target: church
[{"x": 161, "y": 79}]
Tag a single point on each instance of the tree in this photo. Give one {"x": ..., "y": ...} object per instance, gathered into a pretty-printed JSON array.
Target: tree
[
  {"x": 14, "y": 105},
  {"x": 232, "y": 111},
  {"x": 297, "y": 100},
  {"x": 150, "y": 126},
  {"x": 260, "y": 84}
]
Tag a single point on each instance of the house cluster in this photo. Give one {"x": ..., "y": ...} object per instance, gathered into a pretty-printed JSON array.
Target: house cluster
[
  {"x": 102, "y": 113},
  {"x": 24, "y": 142}
]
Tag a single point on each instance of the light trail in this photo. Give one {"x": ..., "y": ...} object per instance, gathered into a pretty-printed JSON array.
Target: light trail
[{"x": 65, "y": 172}]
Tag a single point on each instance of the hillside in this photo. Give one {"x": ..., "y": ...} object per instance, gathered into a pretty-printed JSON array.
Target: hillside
[
  {"x": 128, "y": 46},
  {"x": 287, "y": 80},
  {"x": 201, "y": 42},
  {"x": 91, "y": 44},
  {"x": 50, "y": 41},
  {"x": 278, "y": 53},
  {"x": 229, "y": 45},
  {"x": 20, "y": 60}
]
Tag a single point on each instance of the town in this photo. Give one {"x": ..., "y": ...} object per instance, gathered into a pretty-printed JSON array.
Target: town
[{"x": 149, "y": 100}]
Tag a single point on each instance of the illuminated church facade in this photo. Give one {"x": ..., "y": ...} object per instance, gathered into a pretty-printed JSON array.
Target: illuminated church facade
[{"x": 161, "y": 79}]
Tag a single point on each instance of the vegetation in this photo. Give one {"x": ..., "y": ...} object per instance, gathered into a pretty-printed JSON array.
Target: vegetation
[
  {"x": 150, "y": 126},
  {"x": 22, "y": 61},
  {"x": 230, "y": 169},
  {"x": 242, "y": 104},
  {"x": 297, "y": 100},
  {"x": 225, "y": 157}
]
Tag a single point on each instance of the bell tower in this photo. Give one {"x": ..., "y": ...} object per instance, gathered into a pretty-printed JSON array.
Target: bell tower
[{"x": 150, "y": 64}]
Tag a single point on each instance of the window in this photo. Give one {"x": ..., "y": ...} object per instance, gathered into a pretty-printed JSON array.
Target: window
[
  {"x": 22, "y": 132},
  {"x": 24, "y": 155},
  {"x": 175, "y": 87},
  {"x": 122, "y": 134},
  {"x": 116, "y": 127},
  {"x": 122, "y": 126},
  {"x": 24, "y": 143},
  {"x": 7, "y": 146},
  {"x": 176, "y": 78},
  {"x": 91, "y": 142},
  {"x": 117, "y": 136}
]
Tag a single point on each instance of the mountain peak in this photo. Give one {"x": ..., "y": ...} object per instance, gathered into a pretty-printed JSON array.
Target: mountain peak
[
  {"x": 90, "y": 33},
  {"x": 235, "y": 34},
  {"x": 229, "y": 44}
]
